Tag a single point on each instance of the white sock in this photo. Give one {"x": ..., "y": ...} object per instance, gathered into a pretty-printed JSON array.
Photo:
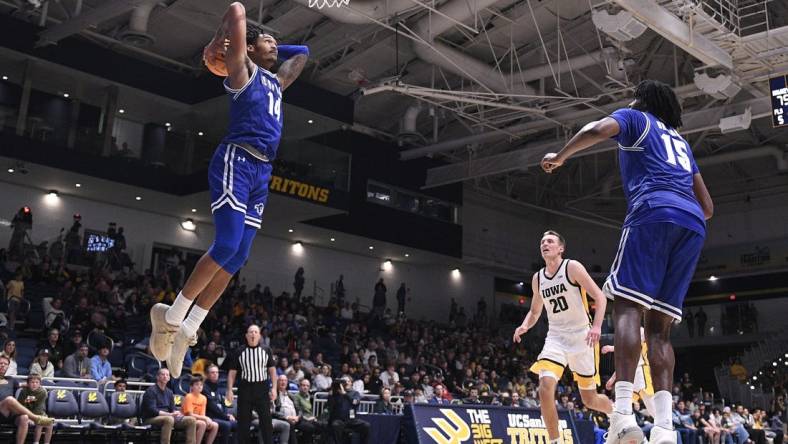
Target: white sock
[
  {"x": 555, "y": 441},
  {"x": 193, "y": 321},
  {"x": 663, "y": 406},
  {"x": 178, "y": 310},
  {"x": 623, "y": 397}
]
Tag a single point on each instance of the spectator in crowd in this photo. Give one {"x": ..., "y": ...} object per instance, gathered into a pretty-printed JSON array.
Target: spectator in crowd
[
  {"x": 683, "y": 423},
  {"x": 306, "y": 363},
  {"x": 54, "y": 316},
  {"x": 390, "y": 377},
  {"x": 77, "y": 364},
  {"x": 286, "y": 408},
  {"x": 216, "y": 408},
  {"x": 295, "y": 369},
  {"x": 303, "y": 405},
  {"x": 15, "y": 295},
  {"x": 379, "y": 300},
  {"x": 700, "y": 319},
  {"x": 74, "y": 344},
  {"x": 9, "y": 351},
  {"x": 734, "y": 428},
  {"x": 689, "y": 319},
  {"x": 709, "y": 426},
  {"x": 437, "y": 397},
  {"x": 53, "y": 344},
  {"x": 473, "y": 397},
  {"x": 323, "y": 378},
  {"x": 158, "y": 409},
  {"x": 100, "y": 368},
  {"x": 42, "y": 366},
  {"x": 383, "y": 405},
  {"x": 402, "y": 294},
  {"x": 298, "y": 284},
  {"x": 342, "y": 415},
  {"x": 339, "y": 288},
  {"x": 11, "y": 411},
  {"x": 34, "y": 397},
  {"x": 195, "y": 405}
]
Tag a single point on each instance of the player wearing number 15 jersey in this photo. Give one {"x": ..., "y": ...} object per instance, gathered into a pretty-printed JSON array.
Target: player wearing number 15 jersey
[
  {"x": 572, "y": 339},
  {"x": 662, "y": 238},
  {"x": 238, "y": 174}
]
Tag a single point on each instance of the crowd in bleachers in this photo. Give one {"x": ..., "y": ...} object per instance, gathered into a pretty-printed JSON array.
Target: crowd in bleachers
[{"x": 91, "y": 324}]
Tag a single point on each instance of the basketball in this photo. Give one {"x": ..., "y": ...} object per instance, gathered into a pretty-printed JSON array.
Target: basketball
[{"x": 216, "y": 65}]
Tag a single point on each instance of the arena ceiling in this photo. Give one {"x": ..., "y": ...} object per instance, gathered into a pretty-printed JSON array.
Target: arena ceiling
[{"x": 491, "y": 85}]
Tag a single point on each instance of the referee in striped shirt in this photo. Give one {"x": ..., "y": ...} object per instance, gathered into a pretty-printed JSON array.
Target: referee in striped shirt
[{"x": 257, "y": 370}]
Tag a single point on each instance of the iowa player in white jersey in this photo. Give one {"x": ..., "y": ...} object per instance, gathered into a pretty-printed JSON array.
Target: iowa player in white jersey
[
  {"x": 572, "y": 339},
  {"x": 642, "y": 386}
]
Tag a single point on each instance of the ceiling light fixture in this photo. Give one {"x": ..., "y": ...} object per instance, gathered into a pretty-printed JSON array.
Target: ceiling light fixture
[
  {"x": 194, "y": 210},
  {"x": 332, "y": 239},
  {"x": 310, "y": 121},
  {"x": 138, "y": 198},
  {"x": 78, "y": 185},
  {"x": 200, "y": 133},
  {"x": 121, "y": 111},
  {"x": 66, "y": 95},
  {"x": 371, "y": 247},
  {"x": 189, "y": 225}
]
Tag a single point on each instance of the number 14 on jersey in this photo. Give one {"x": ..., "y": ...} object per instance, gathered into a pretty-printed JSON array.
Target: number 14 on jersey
[{"x": 274, "y": 105}]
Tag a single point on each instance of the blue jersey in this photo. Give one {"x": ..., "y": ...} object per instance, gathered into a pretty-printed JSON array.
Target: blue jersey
[
  {"x": 256, "y": 113},
  {"x": 656, "y": 170}
]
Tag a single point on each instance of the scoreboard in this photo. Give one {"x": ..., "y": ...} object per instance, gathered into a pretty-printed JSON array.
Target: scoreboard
[{"x": 779, "y": 93}]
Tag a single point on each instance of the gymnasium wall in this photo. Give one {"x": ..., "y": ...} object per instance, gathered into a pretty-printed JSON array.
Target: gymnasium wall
[{"x": 272, "y": 261}]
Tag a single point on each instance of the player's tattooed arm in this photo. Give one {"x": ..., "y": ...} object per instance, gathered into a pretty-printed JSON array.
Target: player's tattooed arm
[
  {"x": 291, "y": 69},
  {"x": 229, "y": 45}
]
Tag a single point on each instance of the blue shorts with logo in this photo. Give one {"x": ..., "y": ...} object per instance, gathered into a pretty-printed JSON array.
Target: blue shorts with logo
[
  {"x": 239, "y": 181},
  {"x": 654, "y": 266}
]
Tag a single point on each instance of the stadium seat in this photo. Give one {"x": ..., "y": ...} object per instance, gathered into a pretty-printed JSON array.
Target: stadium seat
[
  {"x": 63, "y": 407},
  {"x": 123, "y": 408},
  {"x": 95, "y": 410}
]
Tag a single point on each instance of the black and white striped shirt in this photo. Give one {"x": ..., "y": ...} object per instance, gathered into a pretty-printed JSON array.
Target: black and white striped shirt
[{"x": 252, "y": 363}]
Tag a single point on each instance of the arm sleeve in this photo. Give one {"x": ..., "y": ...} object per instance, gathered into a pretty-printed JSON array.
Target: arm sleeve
[
  {"x": 631, "y": 124},
  {"x": 287, "y": 51}
]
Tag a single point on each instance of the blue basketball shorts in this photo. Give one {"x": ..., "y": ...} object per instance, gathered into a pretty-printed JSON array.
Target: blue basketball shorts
[
  {"x": 654, "y": 266},
  {"x": 238, "y": 181}
]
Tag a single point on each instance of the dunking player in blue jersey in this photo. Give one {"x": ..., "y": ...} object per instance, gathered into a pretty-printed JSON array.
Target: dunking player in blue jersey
[
  {"x": 663, "y": 234},
  {"x": 238, "y": 173}
]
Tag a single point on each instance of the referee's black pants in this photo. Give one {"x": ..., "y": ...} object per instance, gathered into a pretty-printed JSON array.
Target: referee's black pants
[{"x": 254, "y": 396}]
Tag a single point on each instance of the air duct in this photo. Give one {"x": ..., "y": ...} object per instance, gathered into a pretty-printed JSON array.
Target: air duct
[
  {"x": 464, "y": 65},
  {"x": 622, "y": 26},
  {"x": 136, "y": 34},
  {"x": 408, "y": 133}
]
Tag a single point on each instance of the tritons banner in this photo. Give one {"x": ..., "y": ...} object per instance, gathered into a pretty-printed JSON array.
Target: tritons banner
[
  {"x": 460, "y": 424},
  {"x": 300, "y": 189}
]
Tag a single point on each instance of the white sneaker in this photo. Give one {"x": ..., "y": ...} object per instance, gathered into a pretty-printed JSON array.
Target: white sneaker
[
  {"x": 661, "y": 435},
  {"x": 161, "y": 332},
  {"x": 624, "y": 430},
  {"x": 180, "y": 346}
]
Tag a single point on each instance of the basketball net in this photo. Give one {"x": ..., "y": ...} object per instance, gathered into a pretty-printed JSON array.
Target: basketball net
[{"x": 320, "y": 4}]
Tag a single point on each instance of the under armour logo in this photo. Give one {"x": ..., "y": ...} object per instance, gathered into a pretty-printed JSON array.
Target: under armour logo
[
  {"x": 259, "y": 208},
  {"x": 455, "y": 434},
  {"x": 241, "y": 159}
]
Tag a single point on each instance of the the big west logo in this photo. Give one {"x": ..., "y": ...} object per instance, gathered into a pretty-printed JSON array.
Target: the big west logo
[
  {"x": 451, "y": 434},
  {"x": 554, "y": 290}
]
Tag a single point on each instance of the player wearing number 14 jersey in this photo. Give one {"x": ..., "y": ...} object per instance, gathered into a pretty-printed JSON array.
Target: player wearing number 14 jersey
[
  {"x": 662, "y": 238},
  {"x": 572, "y": 339},
  {"x": 238, "y": 174}
]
